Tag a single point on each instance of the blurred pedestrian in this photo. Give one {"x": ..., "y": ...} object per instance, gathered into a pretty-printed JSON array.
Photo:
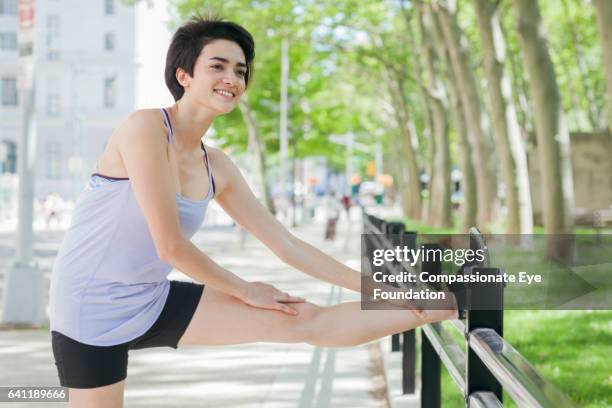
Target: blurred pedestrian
[
  {"x": 332, "y": 212},
  {"x": 346, "y": 203},
  {"x": 51, "y": 207}
]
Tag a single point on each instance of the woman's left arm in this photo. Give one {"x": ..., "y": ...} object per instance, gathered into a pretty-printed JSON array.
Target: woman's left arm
[{"x": 237, "y": 199}]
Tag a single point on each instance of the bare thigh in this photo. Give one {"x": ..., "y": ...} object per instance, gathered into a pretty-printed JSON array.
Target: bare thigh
[
  {"x": 221, "y": 319},
  {"x": 109, "y": 396}
]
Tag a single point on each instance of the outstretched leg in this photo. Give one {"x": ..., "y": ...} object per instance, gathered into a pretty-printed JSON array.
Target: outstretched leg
[
  {"x": 109, "y": 396},
  {"x": 221, "y": 319}
]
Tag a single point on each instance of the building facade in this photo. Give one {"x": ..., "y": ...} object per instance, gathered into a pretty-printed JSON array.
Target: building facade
[{"x": 84, "y": 87}]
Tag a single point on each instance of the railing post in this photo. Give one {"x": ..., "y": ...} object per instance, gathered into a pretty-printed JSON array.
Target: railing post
[
  {"x": 392, "y": 233},
  {"x": 431, "y": 391},
  {"x": 485, "y": 310},
  {"x": 408, "y": 239},
  {"x": 431, "y": 396},
  {"x": 408, "y": 362}
]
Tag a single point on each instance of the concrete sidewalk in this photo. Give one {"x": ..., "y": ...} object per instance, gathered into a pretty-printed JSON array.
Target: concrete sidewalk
[{"x": 257, "y": 375}]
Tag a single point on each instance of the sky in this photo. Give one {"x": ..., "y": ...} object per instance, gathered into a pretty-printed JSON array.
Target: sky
[{"x": 152, "y": 40}]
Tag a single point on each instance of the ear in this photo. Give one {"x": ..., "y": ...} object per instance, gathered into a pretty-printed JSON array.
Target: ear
[{"x": 183, "y": 77}]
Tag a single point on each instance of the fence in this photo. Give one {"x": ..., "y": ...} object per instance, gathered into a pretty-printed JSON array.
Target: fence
[{"x": 486, "y": 364}]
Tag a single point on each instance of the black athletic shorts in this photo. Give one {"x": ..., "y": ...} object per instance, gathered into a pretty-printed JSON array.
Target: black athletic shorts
[{"x": 82, "y": 365}]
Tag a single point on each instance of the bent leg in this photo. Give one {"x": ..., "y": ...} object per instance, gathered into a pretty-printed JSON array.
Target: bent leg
[
  {"x": 109, "y": 396},
  {"x": 221, "y": 319}
]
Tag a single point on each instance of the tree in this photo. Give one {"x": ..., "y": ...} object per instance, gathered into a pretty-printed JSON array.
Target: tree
[
  {"x": 258, "y": 152},
  {"x": 580, "y": 64},
  {"x": 439, "y": 214},
  {"x": 412, "y": 188},
  {"x": 428, "y": 145},
  {"x": 551, "y": 131},
  {"x": 470, "y": 100},
  {"x": 509, "y": 144},
  {"x": 466, "y": 155},
  {"x": 384, "y": 57},
  {"x": 604, "y": 22}
]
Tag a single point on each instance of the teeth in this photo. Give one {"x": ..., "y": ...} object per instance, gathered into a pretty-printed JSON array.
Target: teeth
[{"x": 225, "y": 93}]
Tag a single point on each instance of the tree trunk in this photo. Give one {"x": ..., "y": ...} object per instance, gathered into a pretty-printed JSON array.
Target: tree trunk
[
  {"x": 440, "y": 183},
  {"x": 417, "y": 70},
  {"x": 466, "y": 155},
  {"x": 256, "y": 144},
  {"x": 508, "y": 140},
  {"x": 400, "y": 177},
  {"x": 551, "y": 131},
  {"x": 584, "y": 75},
  {"x": 604, "y": 21},
  {"x": 402, "y": 181},
  {"x": 470, "y": 101},
  {"x": 520, "y": 94},
  {"x": 400, "y": 111}
]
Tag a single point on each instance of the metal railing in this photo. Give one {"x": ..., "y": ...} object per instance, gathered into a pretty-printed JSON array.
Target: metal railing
[{"x": 482, "y": 367}]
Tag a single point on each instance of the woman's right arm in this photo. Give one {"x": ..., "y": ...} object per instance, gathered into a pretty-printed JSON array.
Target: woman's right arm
[{"x": 142, "y": 146}]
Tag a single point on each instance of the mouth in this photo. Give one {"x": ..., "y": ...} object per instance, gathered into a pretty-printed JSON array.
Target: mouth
[{"x": 223, "y": 92}]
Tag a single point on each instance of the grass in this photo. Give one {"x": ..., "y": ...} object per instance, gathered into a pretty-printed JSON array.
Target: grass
[{"x": 571, "y": 349}]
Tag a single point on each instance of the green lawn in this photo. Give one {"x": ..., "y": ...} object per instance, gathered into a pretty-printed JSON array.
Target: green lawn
[{"x": 569, "y": 348}]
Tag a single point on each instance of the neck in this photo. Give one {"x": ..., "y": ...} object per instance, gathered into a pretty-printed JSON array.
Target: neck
[{"x": 189, "y": 124}]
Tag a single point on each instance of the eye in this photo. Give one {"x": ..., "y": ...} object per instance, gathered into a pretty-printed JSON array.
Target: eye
[
  {"x": 217, "y": 67},
  {"x": 241, "y": 73}
]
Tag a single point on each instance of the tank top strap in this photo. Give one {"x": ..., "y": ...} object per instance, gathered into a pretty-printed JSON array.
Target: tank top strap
[
  {"x": 168, "y": 124},
  {"x": 211, "y": 178}
]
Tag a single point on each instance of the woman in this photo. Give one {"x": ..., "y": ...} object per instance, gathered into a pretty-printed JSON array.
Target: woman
[{"x": 109, "y": 291}]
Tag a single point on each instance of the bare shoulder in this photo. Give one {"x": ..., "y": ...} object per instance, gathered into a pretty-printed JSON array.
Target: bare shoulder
[
  {"x": 224, "y": 169},
  {"x": 142, "y": 123},
  {"x": 218, "y": 156},
  {"x": 142, "y": 130}
]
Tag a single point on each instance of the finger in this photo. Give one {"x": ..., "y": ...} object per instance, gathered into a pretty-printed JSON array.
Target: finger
[
  {"x": 287, "y": 309},
  {"x": 280, "y": 296},
  {"x": 420, "y": 313}
]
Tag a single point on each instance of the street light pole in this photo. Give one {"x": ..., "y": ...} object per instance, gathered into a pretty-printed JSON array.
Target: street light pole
[
  {"x": 378, "y": 159},
  {"x": 350, "y": 147},
  {"x": 22, "y": 296},
  {"x": 283, "y": 123}
]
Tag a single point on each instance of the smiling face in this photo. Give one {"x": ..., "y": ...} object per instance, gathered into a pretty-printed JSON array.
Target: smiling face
[{"x": 218, "y": 77}]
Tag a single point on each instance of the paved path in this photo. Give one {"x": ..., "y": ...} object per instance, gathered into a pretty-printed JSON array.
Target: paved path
[{"x": 257, "y": 375}]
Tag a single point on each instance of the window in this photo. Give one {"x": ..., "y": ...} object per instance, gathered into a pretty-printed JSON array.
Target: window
[
  {"x": 109, "y": 41},
  {"x": 8, "y": 7},
  {"x": 53, "y": 26},
  {"x": 8, "y": 157},
  {"x": 109, "y": 7},
  {"x": 54, "y": 162},
  {"x": 8, "y": 41},
  {"x": 53, "y": 34},
  {"x": 109, "y": 92},
  {"x": 53, "y": 104},
  {"x": 9, "y": 91}
]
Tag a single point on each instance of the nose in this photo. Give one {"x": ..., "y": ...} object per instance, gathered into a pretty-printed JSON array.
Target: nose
[{"x": 230, "y": 77}]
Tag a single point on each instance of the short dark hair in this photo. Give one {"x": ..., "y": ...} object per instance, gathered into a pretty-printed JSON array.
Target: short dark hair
[{"x": 189, "y": 40}]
